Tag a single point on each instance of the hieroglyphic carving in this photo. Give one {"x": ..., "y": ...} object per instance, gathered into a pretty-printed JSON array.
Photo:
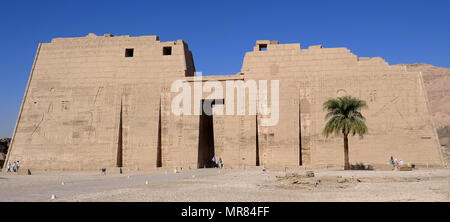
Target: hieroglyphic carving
[{"x": 79, "y": 114}]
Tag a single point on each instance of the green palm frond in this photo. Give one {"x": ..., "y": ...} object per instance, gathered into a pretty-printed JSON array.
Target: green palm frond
[{"x": 344, "y": 116}]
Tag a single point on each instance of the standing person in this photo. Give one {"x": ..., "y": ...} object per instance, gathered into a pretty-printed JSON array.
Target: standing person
[
  {"x": 17, "y": 166},
  {"x": 392, "y": 161},
  {"x": 214, "y": 162},
  {"x": 8, "y": 166},
  {"x": 220, "y": 162},
  {"x": 14, "y": 166}
]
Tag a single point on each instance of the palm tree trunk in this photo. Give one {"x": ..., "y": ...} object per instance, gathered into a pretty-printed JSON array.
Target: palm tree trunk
[{"x": 346, "y": 161}]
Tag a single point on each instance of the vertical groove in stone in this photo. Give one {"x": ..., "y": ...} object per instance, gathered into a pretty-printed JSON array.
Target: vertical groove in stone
[
  {"x": 257, "y": 142},
  {"x": 119, "y": 145},
  {"x": 299, "y": 135},
  {"x": 158, "y": 149}
]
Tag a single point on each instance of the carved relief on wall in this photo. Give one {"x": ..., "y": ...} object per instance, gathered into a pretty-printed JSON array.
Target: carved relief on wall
[
  {"x": 341, "y": 92},
  {"x": 373, "y": 96},
  {"x": 392, "y": 114}
]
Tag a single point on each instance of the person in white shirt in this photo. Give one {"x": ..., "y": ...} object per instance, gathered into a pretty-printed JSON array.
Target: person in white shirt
[
  {"x": 8, "y": 167},
  {"x": 17, "y": 165}
]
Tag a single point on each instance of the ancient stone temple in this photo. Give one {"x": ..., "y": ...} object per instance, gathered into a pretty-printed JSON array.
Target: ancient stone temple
[{"x": 107, "y": 101}]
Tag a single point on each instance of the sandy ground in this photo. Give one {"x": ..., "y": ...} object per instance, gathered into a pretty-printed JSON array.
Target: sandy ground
[{"x": 229, "y": 185}]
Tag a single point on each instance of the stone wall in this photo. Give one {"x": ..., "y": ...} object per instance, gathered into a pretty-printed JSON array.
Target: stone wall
[
  {"x": 69, "y": 119},
  {"x": 84, "y": 93},
  {"x": 398, "y": 116}
]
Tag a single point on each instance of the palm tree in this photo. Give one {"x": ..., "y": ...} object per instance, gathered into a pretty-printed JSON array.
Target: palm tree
[{"x": 345, "y": 117}]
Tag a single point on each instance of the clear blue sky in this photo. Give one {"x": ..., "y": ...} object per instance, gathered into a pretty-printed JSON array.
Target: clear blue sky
[{"x": 220, "y": 32}]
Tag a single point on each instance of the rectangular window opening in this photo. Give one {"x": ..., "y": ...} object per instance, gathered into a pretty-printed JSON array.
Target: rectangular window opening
[
  {"x": 129, "y": 52},
  {"x": 262, "y": 47},
  {"x": 167, "y": 50}
]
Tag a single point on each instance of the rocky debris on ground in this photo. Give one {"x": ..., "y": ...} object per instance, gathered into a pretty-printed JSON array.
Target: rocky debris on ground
[
  {"x": 310, "y": 174},
  {"x": 309, "y": 181},
  {"x": 306, "y": 181}
]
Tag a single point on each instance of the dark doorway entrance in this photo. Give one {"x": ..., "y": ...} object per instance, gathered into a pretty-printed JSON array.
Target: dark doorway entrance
[{"x": 206, "y": 135}]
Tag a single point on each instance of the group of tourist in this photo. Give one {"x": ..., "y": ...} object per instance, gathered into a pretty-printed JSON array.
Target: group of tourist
[
  {"x": 15, "y": 166},
  {"x": 218, "y": 164},
  {"x": 395, "y": 162}
]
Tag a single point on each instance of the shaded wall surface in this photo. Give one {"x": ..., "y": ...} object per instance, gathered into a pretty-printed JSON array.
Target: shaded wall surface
[{"x": 90, "y": 104}]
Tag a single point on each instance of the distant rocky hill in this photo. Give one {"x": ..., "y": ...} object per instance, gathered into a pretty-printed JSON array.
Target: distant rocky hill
[
  {"x": 437, "y": 84},
  {"x": 4, "y": 145}
]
